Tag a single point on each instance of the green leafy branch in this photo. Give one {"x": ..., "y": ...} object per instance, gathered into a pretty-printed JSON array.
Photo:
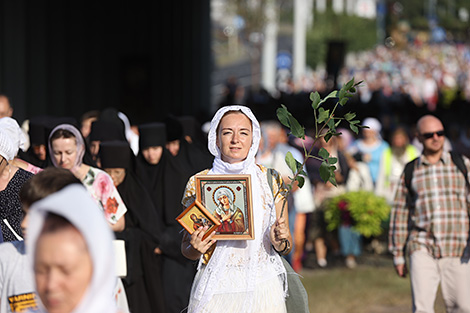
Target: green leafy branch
[{"x": 325, "y": 124}]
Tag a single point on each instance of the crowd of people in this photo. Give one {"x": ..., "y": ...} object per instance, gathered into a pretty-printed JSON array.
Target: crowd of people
[
  {"x": 52, "y": 168},
  {"x": 141, "y": 177},
  {"x": 135, "y": 178},
  {"x": 419, "y": 79}
]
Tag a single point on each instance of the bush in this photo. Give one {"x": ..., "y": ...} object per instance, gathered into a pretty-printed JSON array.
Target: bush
[{"x": 363, "y": 210}]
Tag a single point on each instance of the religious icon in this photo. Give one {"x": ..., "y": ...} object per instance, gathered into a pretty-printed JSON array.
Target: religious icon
[
  {"x": 196, "y": 216},
  {"x": 228, "y": 199}
]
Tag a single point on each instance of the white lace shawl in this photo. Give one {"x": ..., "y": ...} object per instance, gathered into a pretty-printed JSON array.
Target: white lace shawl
[{"x": 238, "y": 266}]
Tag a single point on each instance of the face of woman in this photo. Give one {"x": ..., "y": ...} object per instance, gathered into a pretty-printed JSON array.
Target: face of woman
[
  {"x": 173, "y": 147},
  {"x": 153, "y": 154},
  {"x": 117, "y": 174},
  {"x": 64, "y": 151},
  {"x": 224, "y": 200},
  {"x": 234, "y": 137},
  {"x": 3, "y": 164},
  {"x": 63, "y": 269}
]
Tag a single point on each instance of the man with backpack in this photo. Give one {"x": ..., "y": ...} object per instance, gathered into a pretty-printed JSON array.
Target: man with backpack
[{"x": 430, "y": 222}]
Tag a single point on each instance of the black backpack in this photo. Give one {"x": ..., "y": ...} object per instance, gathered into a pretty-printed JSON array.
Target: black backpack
[{"x": 410, "y": 166}]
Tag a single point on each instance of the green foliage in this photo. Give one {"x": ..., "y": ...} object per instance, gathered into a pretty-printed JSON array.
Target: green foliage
[
  {"x": 358, "y": 33},
  {"x": 325, "y": 126},
  {"x": 367, "y": 210}
]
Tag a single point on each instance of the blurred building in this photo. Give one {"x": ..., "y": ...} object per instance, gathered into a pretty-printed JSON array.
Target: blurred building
[{"x": 67, "y": 57}]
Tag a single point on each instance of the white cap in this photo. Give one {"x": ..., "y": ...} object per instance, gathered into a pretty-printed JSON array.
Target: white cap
[
  {"x": 373, "y": 124},
  {"x": 11, "y": 138}
]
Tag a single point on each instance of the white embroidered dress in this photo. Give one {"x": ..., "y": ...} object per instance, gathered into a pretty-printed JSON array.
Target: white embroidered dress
[{"x": 242, "y": 275}]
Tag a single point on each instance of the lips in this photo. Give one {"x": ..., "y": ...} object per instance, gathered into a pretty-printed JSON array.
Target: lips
[{"x": 53, "y": 302}]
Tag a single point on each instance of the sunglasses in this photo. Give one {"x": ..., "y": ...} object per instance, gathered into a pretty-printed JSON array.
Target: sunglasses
[{"x": 439, "y": 133}]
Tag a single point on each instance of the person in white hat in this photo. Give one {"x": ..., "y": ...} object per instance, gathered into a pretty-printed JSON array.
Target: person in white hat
[
  {"x": 12, "y": 179},
  {"x": 371, "y": 146}
]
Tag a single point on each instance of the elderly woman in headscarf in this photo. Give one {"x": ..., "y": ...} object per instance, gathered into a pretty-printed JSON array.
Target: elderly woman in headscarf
[
  {"x": 241, "y": 275},
  {"x": 68, "y": 236},
  {"x": 67, "y": 148},
  {"x": 12, "y": 179}
]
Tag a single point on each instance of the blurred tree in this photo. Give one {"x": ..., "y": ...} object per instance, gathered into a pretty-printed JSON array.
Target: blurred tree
[{"x": 330, "y": 26}]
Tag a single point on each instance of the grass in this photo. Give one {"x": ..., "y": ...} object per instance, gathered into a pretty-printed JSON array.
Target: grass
[{"x": 372, "y": 287}]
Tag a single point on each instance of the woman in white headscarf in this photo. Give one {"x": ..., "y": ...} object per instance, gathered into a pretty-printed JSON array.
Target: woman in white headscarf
[
  {"x": 68, "y": 236},
  {"x": 240, "y": 275},
  {"x": 67, "y": 149},
  {"x": 12, "y": 179}
]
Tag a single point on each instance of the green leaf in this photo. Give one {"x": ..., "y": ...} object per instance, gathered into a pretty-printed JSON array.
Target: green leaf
[
  {"x": 325, "y": 171},
  {"x": 333, "y": 94},
  {"x": 323, "y": 153},
  {"x": 344, "y": 101},
  {"x": 328, "y": 136},
  {"x": 291, "y": 162},
  {"x": 283, "y": 115},
  {"x": 301, "y": 181},
  {"x": 323, "y": 115},
  {"x": 349, "y": 116},
  {"x": 341, "y": 93},
  {"x": 298, "y": 167},
  {"x": 331, "y": 125},
  {"x": 295, "y": 128},
  {"x": 349, "y": 84},
  {"x": 354, "y": 128},
  {"x": 358, "y": 83},
  {"x": 332, "y": 178},
  {"x": 332, "y": 160},
  {"x": 315, "y": 97}
]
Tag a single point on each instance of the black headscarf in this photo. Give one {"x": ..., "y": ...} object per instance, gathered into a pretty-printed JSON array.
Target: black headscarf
[
  {"x": 37, "y": 136},
  {"x": 102, "y": 130},
  {"x": 194, "y": 155}
]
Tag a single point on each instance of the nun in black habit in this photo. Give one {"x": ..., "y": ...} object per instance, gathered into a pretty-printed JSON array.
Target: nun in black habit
[
  {"x": 165, "y": 178},
  {"x": 37, "y": 152},
  {"x": 185, "y": 145},
  {"x": 143, "y": 283},
  {"x": 102, "y": 131}
]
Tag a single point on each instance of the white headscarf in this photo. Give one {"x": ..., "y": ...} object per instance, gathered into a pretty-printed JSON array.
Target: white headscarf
[
  {"x": 75, "y": 204},
  {"x": 237, "y": 266},
  {"x": 132, "y": 137},
  {"x": 11, "y": 138},
  {"x": 221, "y": 167},
  {"x": 78, "y": 139}
]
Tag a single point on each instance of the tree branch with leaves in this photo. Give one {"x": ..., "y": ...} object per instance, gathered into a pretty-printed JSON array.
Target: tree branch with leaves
[{"x": 325, "y": 125}]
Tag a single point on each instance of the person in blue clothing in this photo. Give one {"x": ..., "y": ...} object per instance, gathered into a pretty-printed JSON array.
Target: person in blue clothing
[{"x": 370, "y": 146}]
